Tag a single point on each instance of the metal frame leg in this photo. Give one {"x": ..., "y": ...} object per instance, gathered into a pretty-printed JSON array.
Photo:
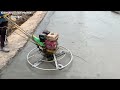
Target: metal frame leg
[{"x": 56, "y": 64}]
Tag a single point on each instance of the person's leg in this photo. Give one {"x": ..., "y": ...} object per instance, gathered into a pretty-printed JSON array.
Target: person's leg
[
  {"x": 6, "y": 41},
  {"x": 3, "y": 36},
  {"x": 0, "y": 37}
]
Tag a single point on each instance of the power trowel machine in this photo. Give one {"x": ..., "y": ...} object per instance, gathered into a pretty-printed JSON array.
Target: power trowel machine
[{"x": 47, "y": 51}]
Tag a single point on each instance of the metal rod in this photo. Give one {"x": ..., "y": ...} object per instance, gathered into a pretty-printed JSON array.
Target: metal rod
[
  {"x": 23, "y": 31},
  {"x": 56, "y": 64},
  {"x": 17, "y": 26}
]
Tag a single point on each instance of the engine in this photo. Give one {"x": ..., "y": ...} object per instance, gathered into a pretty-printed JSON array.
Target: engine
[{"x": 50, "y": 41}]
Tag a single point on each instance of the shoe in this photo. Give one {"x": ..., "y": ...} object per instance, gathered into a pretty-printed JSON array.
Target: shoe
[
  {"x": 5, "y": 49},
  {"x": 6, "y": 43},
  {"x": 0, "y": 49}
]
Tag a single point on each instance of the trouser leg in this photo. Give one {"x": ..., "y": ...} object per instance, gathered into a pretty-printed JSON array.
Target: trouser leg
[{"x": 3, "y": 33}]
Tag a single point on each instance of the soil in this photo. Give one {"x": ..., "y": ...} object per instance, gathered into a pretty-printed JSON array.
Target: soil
[
  {"x": 15, "y": 41},
  {"x": 20, "y": 19}
]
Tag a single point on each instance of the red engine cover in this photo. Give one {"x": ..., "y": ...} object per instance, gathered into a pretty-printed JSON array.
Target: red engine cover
[{"x": 51, "y": 44}]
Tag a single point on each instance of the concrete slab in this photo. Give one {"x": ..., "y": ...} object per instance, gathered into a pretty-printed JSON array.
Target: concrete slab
[{"x": 92, "y": 36}]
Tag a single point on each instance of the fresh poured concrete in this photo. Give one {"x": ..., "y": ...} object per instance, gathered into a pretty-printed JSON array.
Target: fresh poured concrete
[{"x": 92, "y": 36}]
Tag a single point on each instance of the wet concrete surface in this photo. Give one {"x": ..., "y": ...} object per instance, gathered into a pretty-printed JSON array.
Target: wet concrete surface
[{"x": 92, "y": 36}]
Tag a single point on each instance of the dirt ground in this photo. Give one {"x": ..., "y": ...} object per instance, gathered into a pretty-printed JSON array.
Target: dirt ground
[
  {"x": 15, "y": 41},
  {"x": 19, "y": 19}
]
